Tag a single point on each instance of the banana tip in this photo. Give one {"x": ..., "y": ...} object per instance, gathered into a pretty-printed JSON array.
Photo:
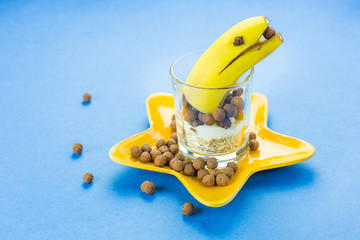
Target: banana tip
[{"x": 280, "y": 37}]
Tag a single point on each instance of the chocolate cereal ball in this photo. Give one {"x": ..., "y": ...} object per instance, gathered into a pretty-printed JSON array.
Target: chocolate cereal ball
[
  {"x": 146, "y": 148},
  {"x": 228, "y": 171},
  {"x": 238, "y": 92},
  {"x": 269, "y": 33},
  {"x": 222, "y": 179},
  {"x": 189, "y": 170},
  {"x": 87, "y": 97},
  {"x": 168, "y": 156},
  {"x": 187, "y": 160},
  {"x": 189, "y": 115},
  {"x": 160, "y": 161},
  {"x": 219, "y": 114},
  {"x": 211, "y": 163},
  {"x": 226, "y": 123},
  {"x": 178, "y": 165},
  {"x": 254, "y": 145},
  {"x": 201, "y": 173},
  {"x": 238, "y": 102},
  {"x": 163, "y": 149},
  {"x": 77, "y": 148},
  {"x": 196, "y": 123},
  {"x": 171, "y": 163},
  {"x": 135, "y": 151},
  {"x": 147, "y": 187},
  {"x": 252, "y": 136},
  {"x": 229, "y": 110},
  {"x": 145, "y": 157},
  {"x": 170, "y": 142},
  {"x": 173, "y": 126},
  {"x": 188, "y": 209},
  {"x": 215, "y": 172},
  {"x": 88, "y": 177},
  {"x": 199, "y": 163},
  {"x": 154, "y": 153},
  {"x": 233, "y": 165},
  {"x": 174, "y": 149},
  {"x": 209, "y": 119},
  {"x": 208, "y": 180},
  {"x": 201, "y": 117},
  {"x": 160, "y": 143},
  {"x": 228, "y": 98},
  {"x": 174, "y": 136},
  {"x": 180, "y": 157}
]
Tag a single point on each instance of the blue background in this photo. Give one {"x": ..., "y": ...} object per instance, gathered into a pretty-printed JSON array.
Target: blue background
[{"x": 53, "y": 52}]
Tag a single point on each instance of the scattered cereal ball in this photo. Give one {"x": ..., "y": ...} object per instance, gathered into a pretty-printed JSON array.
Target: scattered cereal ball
[
  {"x": 201, "y": 173},
  {"x": 208, "y": 180},
  {"x": 174, "y": 136},
  {"x": 219, "y": 114},
  {"x": 148, "y": 187},
  {"x": 171, "y": 163},
  {"x": 174, "y": 149},
  {"x": 188, "y": 209},
  {"x": 87, "y": 97},
  {"x": 229, "y": 110},
  {"x": 160, "y": 143},
  {"x": 254, "y": 144},
  {"x": 173, "y": 125},
  {"x": 146, "y": 148},
  {"x": 238, "y": 102},
  {"x": 173, "y": 117},
  {"x": 178, "y": 165},
  {"x": 226, "y": 123},
  {"x": 163, "y": 149},
  {"x": 196, "y": 123},
  {"x": 88, "y": 177},
  {"x": 170, "y": 142},
  {"x": 215, "y": 172},
  {"x": 189, "y": 170},
  {"x": 209, "y": 119},
  {"x": 252, "y": 136},
  {"x": 201, "y": 117},
  {"x": 222, "y": 179},
  {"x": 135, "y": 151},
  {"x": 189, "y": 116},
  {"x": 238, "y": 92},
  {"x": 233, "y": 165},
  {"x": 77, "y": 148},
  {"x": 145, "y": 157},
  {"x": 154, "y": 153},
  {"x": 228, "y": 171},
  {"x": 269, "y": 33},
  {"x": 187, "y": 160},
  {"x": 180, "y": 157},
  {"x": 211, "y": 163},
  {"x": 168, "y": 156},
  {"x": 184, "y": 101},
  {"x": 239, "y": 114},
  {"x": 228, "y": 98},
  {"x": 199, "y": 163},
  {"x": 160, "y": 161}
]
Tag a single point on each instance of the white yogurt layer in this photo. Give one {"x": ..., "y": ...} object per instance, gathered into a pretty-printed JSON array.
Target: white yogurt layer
[{"x": 207, "y": 133}]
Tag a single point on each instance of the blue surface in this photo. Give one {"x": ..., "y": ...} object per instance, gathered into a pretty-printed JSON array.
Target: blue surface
[{"x": 51, "y": 53}]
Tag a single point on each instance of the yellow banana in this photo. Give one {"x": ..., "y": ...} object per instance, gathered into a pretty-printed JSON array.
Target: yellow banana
[{"x": 223, "y": 63}]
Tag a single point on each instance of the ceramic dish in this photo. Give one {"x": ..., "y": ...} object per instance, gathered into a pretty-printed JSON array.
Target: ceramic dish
[{"x": 276, "y": 150}]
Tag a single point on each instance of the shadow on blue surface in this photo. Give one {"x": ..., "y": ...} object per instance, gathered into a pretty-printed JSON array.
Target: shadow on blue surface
[
  {"x": 127, "y": 185},
  {"x": 75, "y": 156},
  {"x": 86, "y": 185},
  {"x": 86, "y": 103}
]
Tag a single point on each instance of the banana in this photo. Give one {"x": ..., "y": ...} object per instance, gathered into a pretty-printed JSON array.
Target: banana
[{"x": 226, "y": 60}]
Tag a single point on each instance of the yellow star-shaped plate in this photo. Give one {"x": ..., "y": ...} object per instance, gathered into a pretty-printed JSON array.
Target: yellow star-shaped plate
[{"x": 276, "y": 150}]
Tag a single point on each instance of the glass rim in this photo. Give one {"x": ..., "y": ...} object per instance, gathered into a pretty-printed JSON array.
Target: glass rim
[{"x": 237, "y": 84}]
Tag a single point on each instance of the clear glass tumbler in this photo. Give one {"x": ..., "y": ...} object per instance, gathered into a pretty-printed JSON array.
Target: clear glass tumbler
[{"x": 222, "y": 133}]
